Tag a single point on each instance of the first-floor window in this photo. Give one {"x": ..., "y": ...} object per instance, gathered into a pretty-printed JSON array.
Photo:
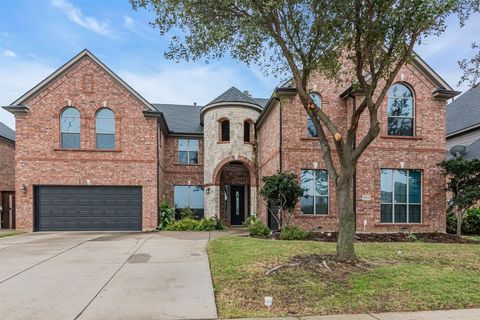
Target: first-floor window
[
  {"x": 401, "y": 196},
  {"x": 315, "y": 197},
  {"x": 189, "y": 197}
]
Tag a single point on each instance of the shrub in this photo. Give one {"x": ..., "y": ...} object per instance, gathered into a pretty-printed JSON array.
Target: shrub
[
  {"x": 256, "y": 227},
  {"x": 471, "y": 222},
  {"x": 187, "y": 213},
  {"x": 451, "y": 223},
  {"x": 166, "y": 214},
  {"x": 292, "y": 232},
  {"x": 191, "y": 224}
]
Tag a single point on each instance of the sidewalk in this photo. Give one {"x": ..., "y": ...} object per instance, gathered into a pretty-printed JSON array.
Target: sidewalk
[{"x": 464, "y": 314}]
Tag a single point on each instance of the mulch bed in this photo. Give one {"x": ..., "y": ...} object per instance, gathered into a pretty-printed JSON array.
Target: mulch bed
[{"x": 391, "y": 237}]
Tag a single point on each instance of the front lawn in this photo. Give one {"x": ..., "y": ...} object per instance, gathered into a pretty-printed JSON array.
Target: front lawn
[{"x": 397, "y": 277}]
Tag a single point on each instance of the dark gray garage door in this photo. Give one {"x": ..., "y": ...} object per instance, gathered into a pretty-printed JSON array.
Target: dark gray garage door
[{"x": 84, "y": 208}]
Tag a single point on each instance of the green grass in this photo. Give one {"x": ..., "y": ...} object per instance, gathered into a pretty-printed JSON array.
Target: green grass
[
  {"x": 423, "y": 276},
  {"x": 8, "y": 234},
  {"x": 477, "y": 238}
]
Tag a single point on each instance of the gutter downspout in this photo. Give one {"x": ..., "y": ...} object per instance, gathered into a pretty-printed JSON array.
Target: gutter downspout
[
  {"x": 158, "y": 169},
  {"x": 280, "y": 143}
]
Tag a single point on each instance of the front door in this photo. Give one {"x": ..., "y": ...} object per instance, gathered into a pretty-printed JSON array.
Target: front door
[
  {"x": 237, "y": 205},
  {"x": 8, "y": 210}
]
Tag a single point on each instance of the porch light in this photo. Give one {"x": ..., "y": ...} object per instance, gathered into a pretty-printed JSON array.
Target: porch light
[
  {"x": 207, "y": 190},
  {"x": 24, "y": 188}
]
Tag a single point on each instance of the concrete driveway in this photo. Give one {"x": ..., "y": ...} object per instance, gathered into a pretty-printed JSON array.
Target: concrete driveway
[{"x": 78, "y": 275}]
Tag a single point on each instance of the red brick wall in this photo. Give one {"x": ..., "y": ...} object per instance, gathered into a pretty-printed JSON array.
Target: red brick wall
[
  {"x": 40, "y": 161},
  {"x": 268, "y": 156},
  {"x": 179, "y": 174},
  {"x": 423, "y": 152},
  {"x": 7, "y": 166}
]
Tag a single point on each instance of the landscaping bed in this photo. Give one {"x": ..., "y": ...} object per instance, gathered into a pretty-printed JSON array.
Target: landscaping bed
[
  {"x": 391, "y": 237},
  {"x": 389, "y": 276}
]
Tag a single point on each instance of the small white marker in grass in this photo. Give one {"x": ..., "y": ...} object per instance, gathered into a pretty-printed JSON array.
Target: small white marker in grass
[{"x": 268, "y": 302}]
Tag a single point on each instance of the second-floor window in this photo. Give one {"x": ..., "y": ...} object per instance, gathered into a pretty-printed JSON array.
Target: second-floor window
[
  {"x": 247, "y": 127},
  {"x": 225, "y": 130},
  {"x": 70, "y": 128},
  {"x": 401, "y": 113},
  {"x": 317, "y": 99},
  {"x": 188, "y": 151},
  {"x": 105, "y": 129}
]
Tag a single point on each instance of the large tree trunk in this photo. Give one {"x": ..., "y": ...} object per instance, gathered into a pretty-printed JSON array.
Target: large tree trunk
[
  {"x": 346, "y": 234},
  {"x": 459, "y": 222}
]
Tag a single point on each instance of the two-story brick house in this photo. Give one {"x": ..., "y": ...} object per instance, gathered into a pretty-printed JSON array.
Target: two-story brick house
[{"x": 92, "y": 154}]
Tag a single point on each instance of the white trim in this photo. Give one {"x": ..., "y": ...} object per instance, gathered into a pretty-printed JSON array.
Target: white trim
[{"x": 315, "y": 214}]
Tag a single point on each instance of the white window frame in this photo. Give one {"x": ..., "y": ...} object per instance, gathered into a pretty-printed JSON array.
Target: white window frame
[
  {"x": 188, "y": 151},
  {"x": 314, "y": 196}
]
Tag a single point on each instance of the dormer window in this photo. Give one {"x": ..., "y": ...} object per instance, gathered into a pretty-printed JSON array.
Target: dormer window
[{"x": 225, "y": 130}]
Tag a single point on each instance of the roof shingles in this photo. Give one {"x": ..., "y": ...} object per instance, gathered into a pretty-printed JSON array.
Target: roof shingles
[
  {"x": 6, "y": 132},
  {"x": 464, "y": 112}
]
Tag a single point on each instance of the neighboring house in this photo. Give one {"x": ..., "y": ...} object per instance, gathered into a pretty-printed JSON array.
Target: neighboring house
[
  {"x": 92, "y": 154},
  {"x": 7, "y": 177},
  {"x": 463, "y": 123}
]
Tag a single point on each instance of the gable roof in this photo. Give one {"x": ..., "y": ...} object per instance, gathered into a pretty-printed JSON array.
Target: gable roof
[
  {"x": 84, "y": 53},
  {"x": 181, "y": 118},
  {"x": 464, "y": 112},
  {"x": 233, "y": 95},
  {"x": 6, "y": 132}
]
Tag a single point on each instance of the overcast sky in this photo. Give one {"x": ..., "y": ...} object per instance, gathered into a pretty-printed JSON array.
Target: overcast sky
[{"x": 38, "y": 36}]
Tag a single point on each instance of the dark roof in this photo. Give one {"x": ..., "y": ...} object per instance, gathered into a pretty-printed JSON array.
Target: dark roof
[
  {"x": 464, "y": 112},
  {"x": 6, "y": 132},
  {"x": 262, "y": 102},
  {"x": 181, "y": 118},
  {"x": 234, "y": 95}
]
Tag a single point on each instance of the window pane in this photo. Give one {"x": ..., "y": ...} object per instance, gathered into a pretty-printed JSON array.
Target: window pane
[
  {"x": 399, "y": 90},
  {"x": 182, "y": 144},
  {"x": 321, "y": 205},
  {"x": 226, "y": 130},
  {"x": 400, "y": 213},
  {"x": 307, "y": 182},
  {"x": 183, "y": 157},
  {"x": 400, "y": 185},
  {"x": 386, "y": 213},
  {"x": 105, "y": 113},
  {"x": 316, "y": 99},
  {"x": 312, "y": 132},
  {"x": 71, "y": 140},
  {"x": 306, "y": 204},
  {"x": 70, "y": 121},
  {"x": 400, "y": 126},
  {"x": 246, "y": 131},
  {"x": 386, "y": 192},
  {"x": 414, "y": 213},
  {"x": 415, "y": 186},
  {"x": 196, "y": 197},
  {"x": 105, "y": 125},
  {"x": 193, "y": 144},
  {"x": 105, "y": 141},
  {"x": 193, "y": 157},
  {"x": 181, "y": 196},
  {"x": 400, "y": 107},
  {"x": 321, "y": 183}
]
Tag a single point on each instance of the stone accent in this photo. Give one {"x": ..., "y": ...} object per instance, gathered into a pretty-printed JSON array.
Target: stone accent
[{"x": 218, "y": 153}]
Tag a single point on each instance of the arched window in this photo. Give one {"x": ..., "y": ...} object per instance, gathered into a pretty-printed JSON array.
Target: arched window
[
  {"x": 247, "y": 131},
  {"x": 401, "y": 113},
  {"x": 225, "y": 130},
  {"x": 70, "y": 128},
  {"x": 105, "y": 129},
  {"x": 317, "y": 99}
]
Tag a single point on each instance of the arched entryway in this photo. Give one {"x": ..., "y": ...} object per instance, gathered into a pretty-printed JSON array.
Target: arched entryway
[{"x": 233, "y": 192}]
